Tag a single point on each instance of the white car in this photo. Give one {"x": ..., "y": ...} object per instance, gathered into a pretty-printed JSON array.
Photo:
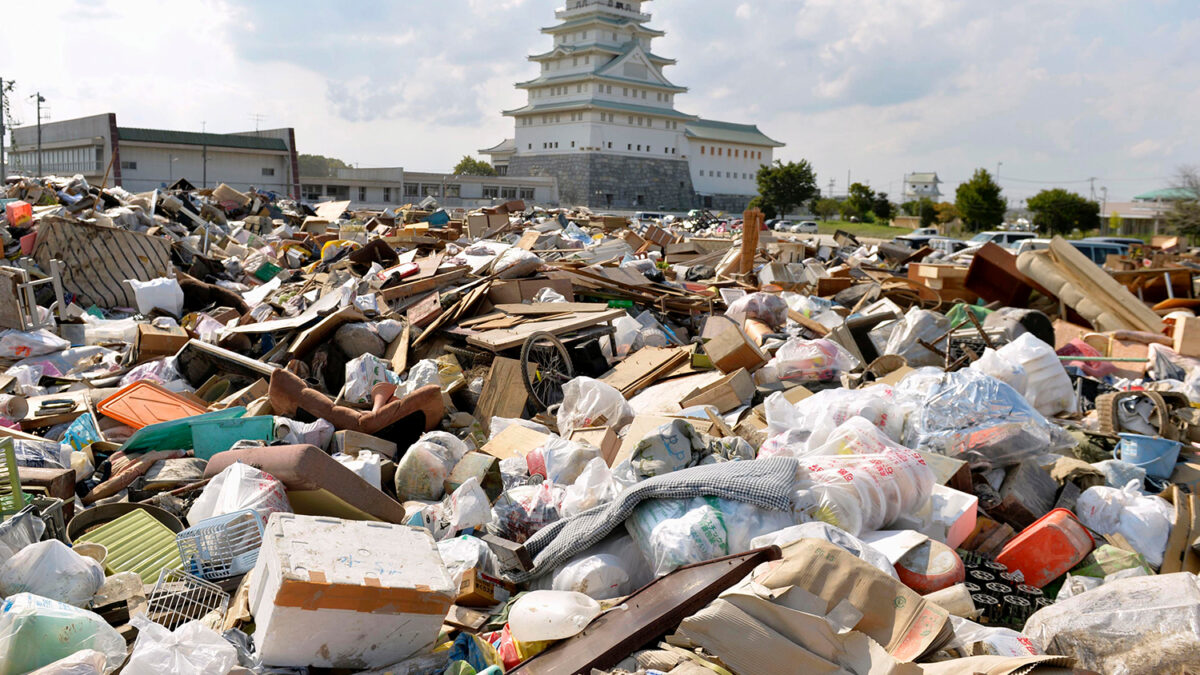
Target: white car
[{"x": 806, "y": 227}]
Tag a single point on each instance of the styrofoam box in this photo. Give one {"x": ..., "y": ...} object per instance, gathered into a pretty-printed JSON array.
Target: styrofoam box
[
  {"x": 956, "y": 511},
  {"x": 338, "y": 593}
]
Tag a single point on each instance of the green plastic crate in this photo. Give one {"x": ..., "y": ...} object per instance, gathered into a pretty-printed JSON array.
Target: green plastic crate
[
  {"x": 12, "y": 498},
  {"x": 136, "y": 542}
]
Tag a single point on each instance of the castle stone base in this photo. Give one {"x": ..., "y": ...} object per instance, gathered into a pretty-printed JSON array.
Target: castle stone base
[{"x": 614, "y": 181}]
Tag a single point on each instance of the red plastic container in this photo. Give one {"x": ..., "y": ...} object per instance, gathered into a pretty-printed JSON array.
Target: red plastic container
[
  {"x": 1047, "y": 549},
  {"x": 18, "y": 214}
]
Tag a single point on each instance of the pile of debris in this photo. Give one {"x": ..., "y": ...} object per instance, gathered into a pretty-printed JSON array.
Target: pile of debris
[{"x": 239, "y": 434}]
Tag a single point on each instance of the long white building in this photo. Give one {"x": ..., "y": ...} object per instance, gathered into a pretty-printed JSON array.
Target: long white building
[{"x": 601, "y": 118}]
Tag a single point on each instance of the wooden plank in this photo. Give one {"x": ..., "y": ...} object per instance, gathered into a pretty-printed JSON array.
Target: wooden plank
[
  {"x": 423, "y": 285},
  {"x": 808, "y": 323},
  {"x": 507, "y": 338},
  {"x": 1098, "y": 286},
  {"x": 642, "y": 365},
  {"x": 514, "y": 441},
  {"x": 752, "y": 221},
  {"x": 551, "y": 308},
  {"x": 397, "y": 352},
  {"x": 324, "y": 328},
  {"x": 503, "y": 392},
  {"x": 528, "y": 239}
]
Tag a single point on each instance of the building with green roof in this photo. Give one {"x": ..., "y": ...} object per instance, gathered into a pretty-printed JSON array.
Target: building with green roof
[{"x": 601, "y": 117}]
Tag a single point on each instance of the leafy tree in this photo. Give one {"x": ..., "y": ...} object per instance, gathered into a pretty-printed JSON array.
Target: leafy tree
[
  {"x": 847, "y": 210},
  {"x": 825, "y": 207},
  {"x": 469, "y": 166},
  {"x": 979, "y": 202},
  {"x": 1059, "y": 211},
  {"x": 909, "y": 208},
  {"x": 946, "y": 212},
  {"x": 1184, "y": 215},
  {"x": 883, "y": 208},
  {"x": 785, "y": 186},
  {"x": 923, "y": 208},
  {"x": 320, "y": 165},
  {"x": 1114, "y": 222},
  {"x": 861, "y": 199},
  {"x": 767, "y": 209}
]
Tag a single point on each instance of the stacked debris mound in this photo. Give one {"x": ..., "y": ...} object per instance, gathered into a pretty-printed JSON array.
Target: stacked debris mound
[{"x": 240, "y": 433}]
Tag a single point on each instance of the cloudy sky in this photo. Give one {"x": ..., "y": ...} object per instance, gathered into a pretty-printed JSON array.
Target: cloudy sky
[{"x": 1056, "y": 90}]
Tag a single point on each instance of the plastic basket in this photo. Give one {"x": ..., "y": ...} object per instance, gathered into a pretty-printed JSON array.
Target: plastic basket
[
  {"x": 223, "y": 546},
  {"x": 12, "y": 498},
  {"x": 50, "y": 510},
  {"x": 179, "y": 597}
]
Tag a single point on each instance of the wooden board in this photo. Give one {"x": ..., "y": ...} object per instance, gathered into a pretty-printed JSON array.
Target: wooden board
[
  {"x": 397, "y": 352},
  {"x": 515, "y": 441},
  {"x": 551, "y": 308},
  {"x": 528, "y": 239},
  {"x": 644, "y": 367},
  {"x": 507, "y": 338},
  {"x": 423, "y": 285},
  {"x": 503, "y": 392},
  {"x": 310, "y": 338}
]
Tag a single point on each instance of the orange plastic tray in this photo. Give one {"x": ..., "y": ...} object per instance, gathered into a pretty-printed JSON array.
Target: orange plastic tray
[{"x": 144, "y": 403}]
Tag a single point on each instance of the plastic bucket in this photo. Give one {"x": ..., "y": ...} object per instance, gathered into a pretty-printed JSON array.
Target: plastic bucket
[
  {"x": 1156, "y": 455},
  {"x": 1048, "y": 548}
]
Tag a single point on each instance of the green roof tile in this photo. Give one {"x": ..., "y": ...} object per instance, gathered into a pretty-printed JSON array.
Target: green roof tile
[{"x": 198, "y": 138}]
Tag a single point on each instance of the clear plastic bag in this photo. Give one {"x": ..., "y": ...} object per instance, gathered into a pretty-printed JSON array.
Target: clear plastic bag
[
  {"x": 1048, "y": 385},
  {"x": 765, "y": 307},
  {"x": 673, "y": 446},
  {"x": 362, "y": 374},
  {"x": 594, "y": 486},
  {"x": 191, "y": 649},
  {"x": 1144, "y": 521},
  {"x": 460, "y": 554},
  {"x": 240, "y": 486},
  {"x": 817, "y": 416},
  {"x": 801, "y": 360},
  {"x": 515, "y": 263},
  {"x": 565, "y": 460},
  {"x": 18, "y": 531},
  {"x": 85, "y": 662},
  {"x": 37, "y": 631},
  {"x": 1002, "y": 368},
  {"x": 422, "y": 470},
  {"x": 992, "y": 641},
  {"x": 15, "y": 344},
  {"x": 832, "y": 534},
  {"x": 917, "y": 324},
  {"x": 601, "y": 577},
  {"x": 468, "y": 506},
  {"x": 586, "y": 401},
  {"x": 50, "y": 569},
  {"x": 972, "y": 415},
  {"x": 522, "y": 511}
]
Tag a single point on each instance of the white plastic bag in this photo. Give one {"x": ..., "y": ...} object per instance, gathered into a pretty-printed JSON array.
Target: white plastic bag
[
  {"x": 670, "y": 447},
  {"x": 1048, "y": 386},
  {"x": 85, "y": 662},
  {"x": 515, "y": 263},
  {"x": 551, "y": 615},
  {"x": 52, "y": 570},
  {"x": 362, "y": 374},
  {"x": 162, "y": 293},
  {"x": 191, "y": 649},
  {"x": 469, "y": 506},
  {"x": 498, "y": 424},
  {"x": 672, "y": 533},
  {"x": 565, "y": 460},
  {"x": 37, "y": 631},
  {"x": 586, "y": 401},
  {"x": 422, "y": 470},
  {"x": 765, "y": 307},
  {"x": 600, "y": 577},
  {"x": 594, "y": 486},
  {"x": 367, "y": 465},
  {"x": 240, "y": 486},
  {"x": 463, "y": 553},
  {"x": 15, "y": 344},
  {"x": 801, "y": 360},
  {"x": 1002, "y": 368},
  {"x": 318, "y": 432},
  {"x": 1144, "y": 521}
]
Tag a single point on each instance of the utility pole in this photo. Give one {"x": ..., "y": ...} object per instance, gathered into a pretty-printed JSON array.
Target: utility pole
[
  {"x": 1092, "y": 182},
  {"x": 40, "y": 101},
  {"x": 3, "y": 173},
  {"x": 831, "y": 183}
]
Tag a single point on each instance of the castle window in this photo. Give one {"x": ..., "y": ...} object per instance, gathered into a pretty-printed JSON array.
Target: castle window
[{"x": 702, "y": 149}]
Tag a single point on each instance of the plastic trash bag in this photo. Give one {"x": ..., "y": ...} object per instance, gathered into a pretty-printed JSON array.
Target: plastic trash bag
[
  {"x": 548, "y": 294},
  {"x": 1139, "y": 626},
  {"x": 917, "y": 324},
  {"x": 362, "y": 374},
  {"x": 817, "y": 416},
  {"x": 565, "y": 460},
  {"x": 539, "y": 616},
  {"x": 18, "y": 531},
  {"x": 862, "y": 493},
  {"x": 521, "y": 511},
  {"x": 191, "y": 649},
  {"x": 15, "y": 344},
  {"x": 85, "y": 662},
  {"x": 515, "y": 263},
  {"x": 1144, "y": 521},
  {"x": 972, "y": 415},
  {"x": 801, "y": 360},
  {"x": 37, "y": 631},
  {"x": 672, "y": 446},
  {"x": 994, "y": 641},
  {"x": 594, "y": 486},
  {"x": 50, "y": 569},
  {"x": 498, "y": 424},
  {"x": 469, "y": 506},
  {"x": 240, "y": 486},
  {"x": 367, "y": 465},
  {"x": 319, "y": 432},
  {"x": 832, "y": 534},
  {"x": 586, "y": 401},
  {"x": 1118, "y": 474},
  {"x": 163, "y": 293},
  {"x": 463, "y": 553},
  {"x": 424, "y": 467},
  {"x": 1049, "y": 387},
  {"x": 1002, "y": 368},
  {"x": 765, "y": 307},
  {"x": 601, "y": 577}
]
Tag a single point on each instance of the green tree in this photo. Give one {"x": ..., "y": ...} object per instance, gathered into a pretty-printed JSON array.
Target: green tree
[
  {"x": 979, "y": 202},
  {"x": 1058, "y": 211},
  {"x": 1114, "y": 222},
  {"x": 767, "y": 209},
  {"x": 469, "y": 166},
  {"x": 861, "y": 199},
  {"x": 946, "y": 212},
  {"x": 1184, "y": 215},
  {"x": 785, "y": 186},
  {"x": 825, "y": 207},
  {"x": 883, "y": 208},
  {"x": 909, "y": 208},
  {"x": 319, "y": 165}
]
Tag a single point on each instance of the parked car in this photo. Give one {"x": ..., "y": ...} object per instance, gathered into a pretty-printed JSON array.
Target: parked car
[
  {"x": 947, "y": 245},
  {"x": 1120, "y": 241},
  {"x": 1005, "y": 239},
  {"x": 931, "y": 231},
  {"x": 806, "y": 227},
  {"x": 783, "y": 225},
  {"x": 1096, "y": 251},
  {"x": 914, "y": 241}
]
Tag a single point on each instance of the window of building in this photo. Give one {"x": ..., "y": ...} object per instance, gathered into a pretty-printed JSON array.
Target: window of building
[
  {"x": 575, "y": 61},
  {"x": 132, "y": 166},
  {"x": 640, "y": 120},
  {"x": 720, "y": 152},
  {"x": 579, "y": 89},
  {"x": 614, "y": 37},
  {"x": 412, "y": 189},
  {"x": 585, "y": 35},
  {"x": 624, "y": 91},
  {"x": 702, "y": 149},
  {"x": 639, "y": 147},
  {"x": 431, "y": 190},
  {"x": 526, "y": 193},
  {"x": 491, "y": 192},
  {"x": 530, "y": 146},
  {"x": 643, "y": 93},
  {"x": 572, "y": 144},
  {"x": 587, "y": 60},
  {"x": 311, "y": 193},
  {"x": 631, "y": 119},
  {"x": 268, "y": 171},
  {"x": 629, "y": 147},
  {"x": 362, "y": 194},
  {"x": 508, "y": 193},
  {"x": 387, "y": 195},
  {"x": 610, "y": 145}
]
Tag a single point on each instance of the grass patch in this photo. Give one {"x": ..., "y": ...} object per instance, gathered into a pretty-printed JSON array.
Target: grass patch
[{"x": 872, "y": 230}]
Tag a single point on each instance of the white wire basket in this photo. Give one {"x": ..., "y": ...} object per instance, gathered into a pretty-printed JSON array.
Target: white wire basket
[
  {"x": 223, "y": 546},
  {"x": 179, "y": 597}
]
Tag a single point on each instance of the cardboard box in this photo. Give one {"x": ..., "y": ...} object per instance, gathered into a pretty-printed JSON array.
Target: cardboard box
[
  {"x": 732, "y": 349},
  {"x": 351, "y": 442},
  {"x": 154, "y": 342},
  {"x": 1187, "y": 336},
  {"x": 601, "y": 437},
  {"x": 732, "y": 391},
  {"x": 482, "y": 590},
  {"x": 386, "y": 594},
  {"x": 511, "y": 291}
]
